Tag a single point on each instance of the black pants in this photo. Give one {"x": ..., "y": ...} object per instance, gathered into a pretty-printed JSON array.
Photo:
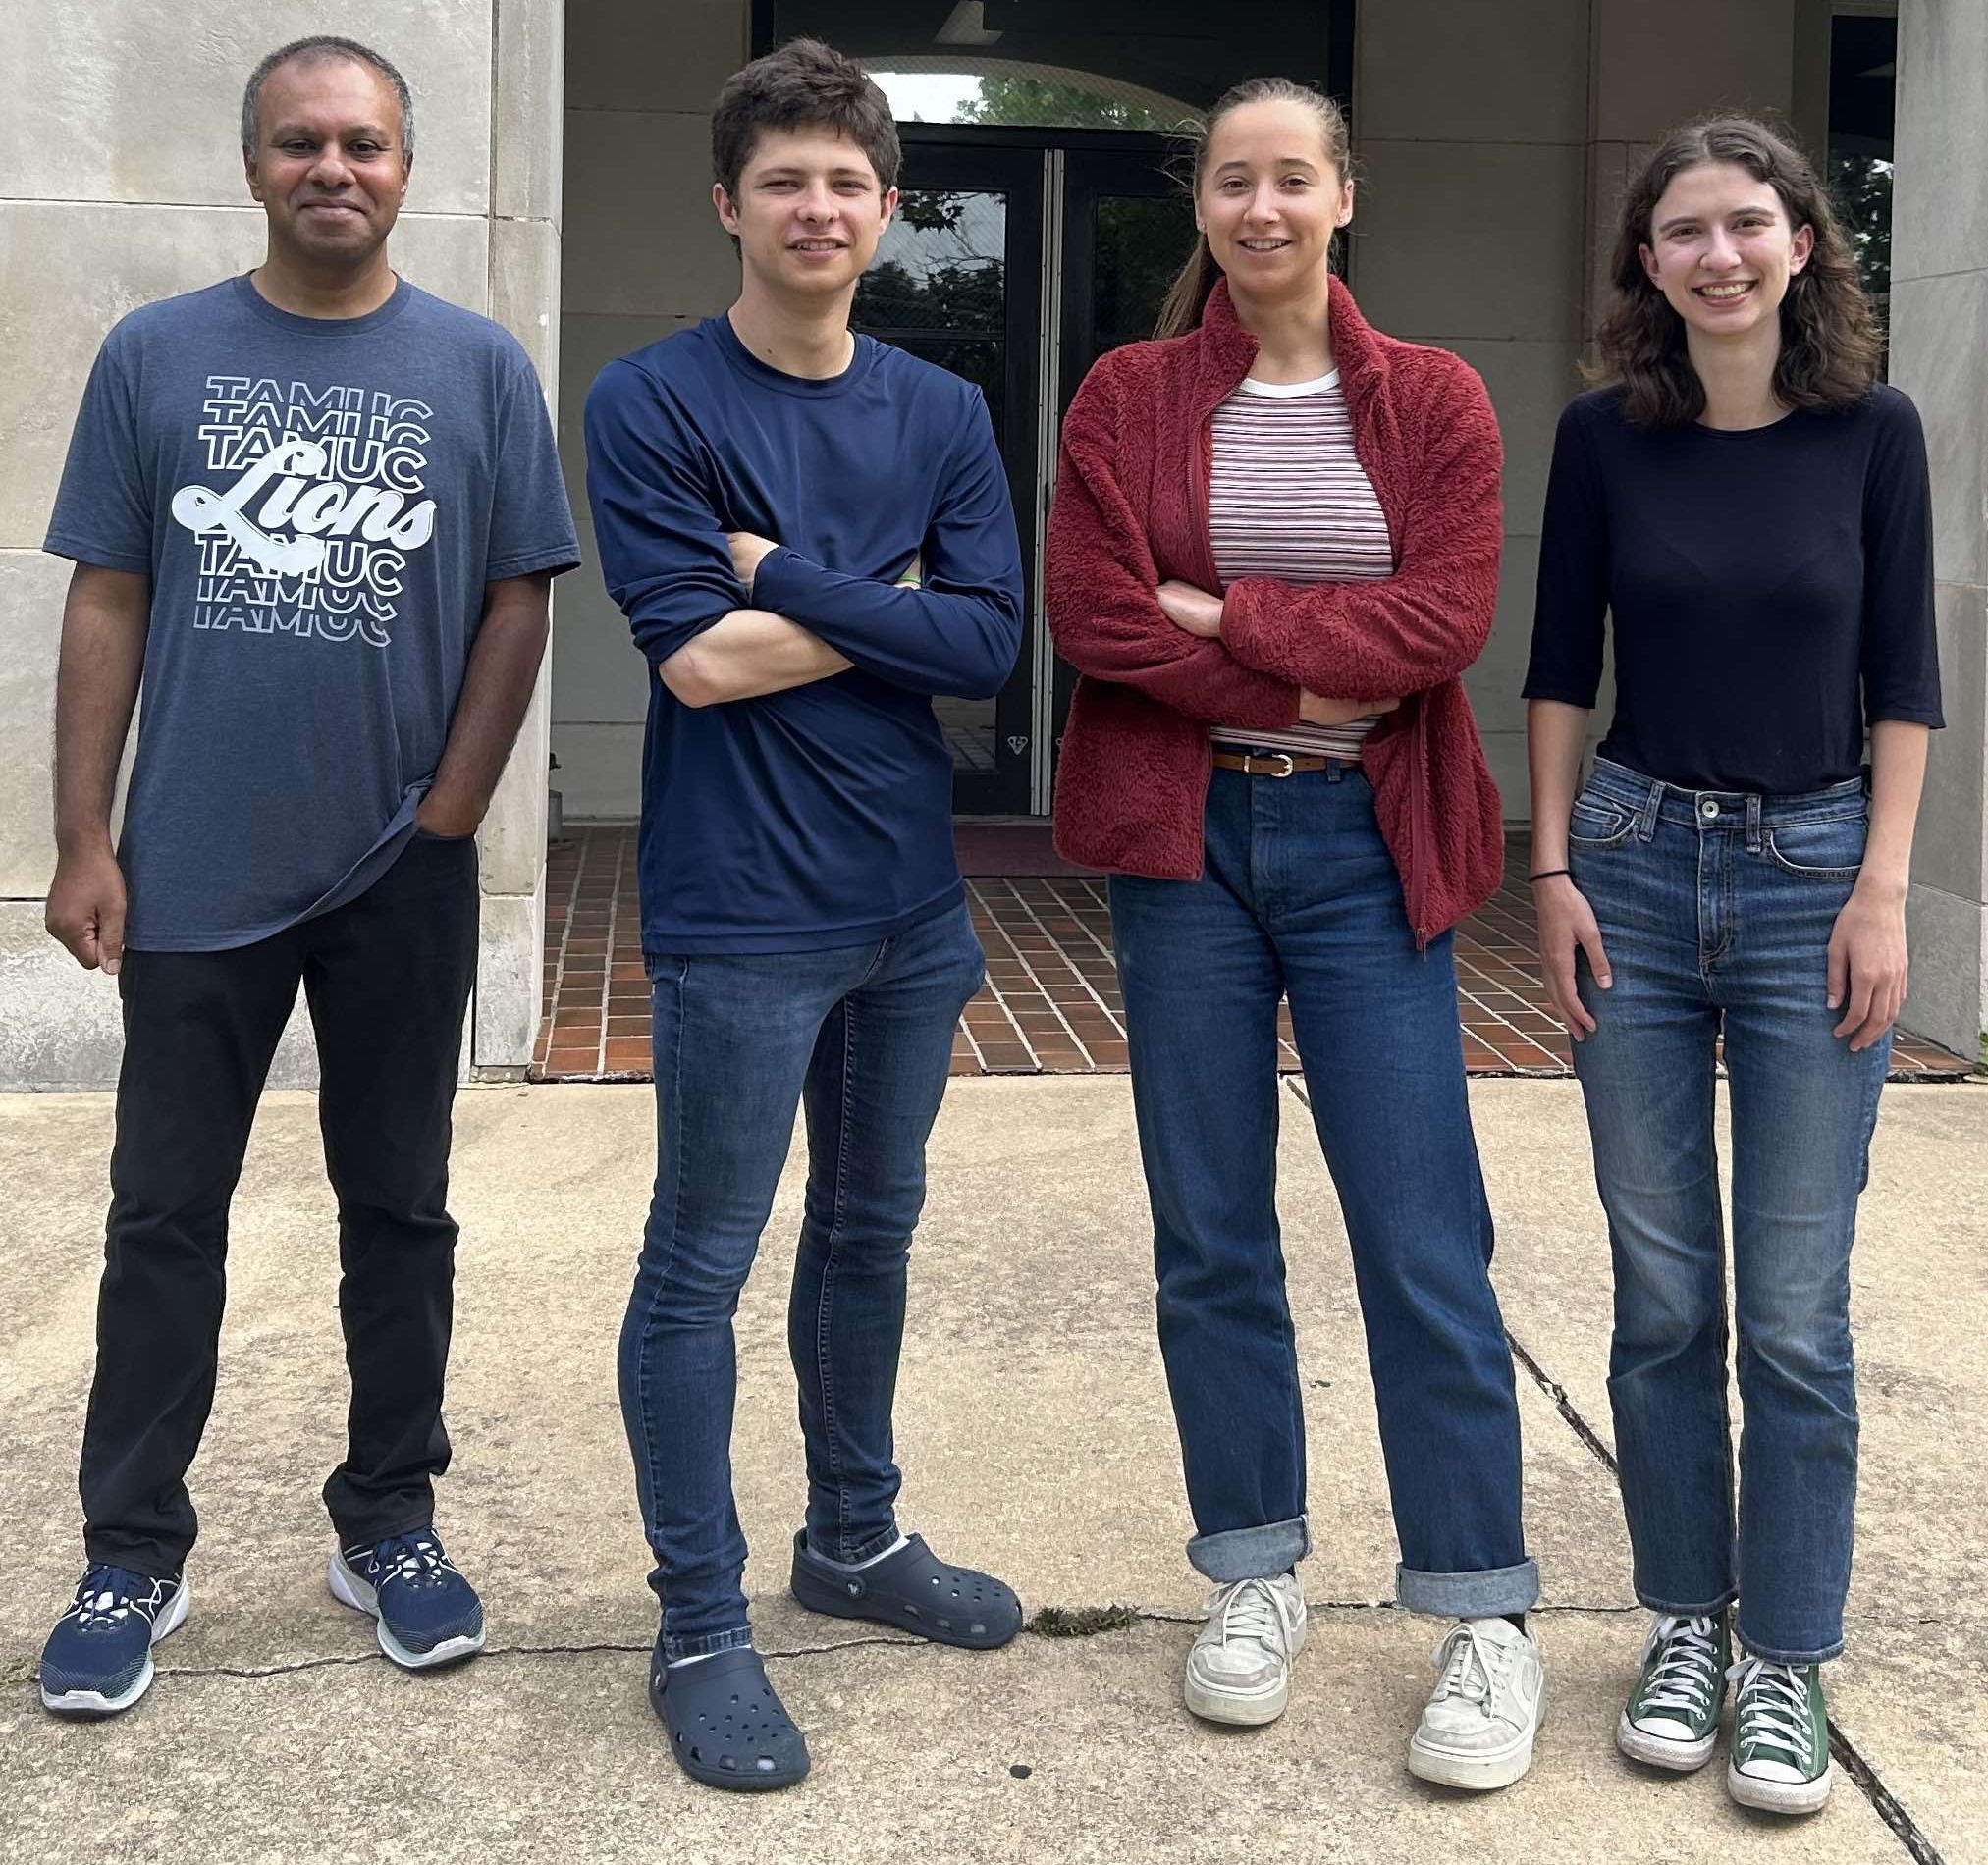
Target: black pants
[{"x": 387, "y": 977}]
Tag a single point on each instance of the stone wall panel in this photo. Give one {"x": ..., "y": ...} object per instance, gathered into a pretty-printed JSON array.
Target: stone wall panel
[{"x": 133, "y": 100}]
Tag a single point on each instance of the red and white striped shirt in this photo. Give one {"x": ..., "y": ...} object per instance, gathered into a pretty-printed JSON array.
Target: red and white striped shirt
[{"x": 1289, "y": 499}]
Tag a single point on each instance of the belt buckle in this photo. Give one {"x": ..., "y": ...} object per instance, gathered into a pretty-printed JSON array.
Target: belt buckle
[{"x": 1290, "y": 764}]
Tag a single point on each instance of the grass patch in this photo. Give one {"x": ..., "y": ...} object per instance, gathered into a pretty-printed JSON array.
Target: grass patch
[{"x": 1080, "y": 1621}]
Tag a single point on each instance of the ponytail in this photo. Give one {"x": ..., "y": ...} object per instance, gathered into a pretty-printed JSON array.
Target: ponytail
[{"x": 1188, "y": 295}]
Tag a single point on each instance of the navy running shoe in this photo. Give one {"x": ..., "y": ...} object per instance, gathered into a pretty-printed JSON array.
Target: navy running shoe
[
  {"x": 428, "y": 1613},
  {"x": 98, "y": 1659}
]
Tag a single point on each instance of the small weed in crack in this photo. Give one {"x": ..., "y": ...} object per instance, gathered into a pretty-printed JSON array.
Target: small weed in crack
[{"x": 1080, "y": 1621}]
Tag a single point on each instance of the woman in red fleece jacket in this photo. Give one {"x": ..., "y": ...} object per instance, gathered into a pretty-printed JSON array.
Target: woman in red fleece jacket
[{"x": 1274, "y": 548}]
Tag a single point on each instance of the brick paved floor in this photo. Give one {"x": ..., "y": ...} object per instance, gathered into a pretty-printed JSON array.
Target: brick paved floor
[{"x": 1051, "y": 1004}]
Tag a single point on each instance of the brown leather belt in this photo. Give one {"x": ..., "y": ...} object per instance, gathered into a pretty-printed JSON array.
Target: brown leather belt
[{"x": 1271, "y": 763}]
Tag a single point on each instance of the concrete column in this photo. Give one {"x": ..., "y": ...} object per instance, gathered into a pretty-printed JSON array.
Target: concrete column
[
  {"x": 645, "y": 255},
  {"x": 1470, "y": 126},
  {"x": 1939, "y": 311},
  {"x": 527, "y": 147}
]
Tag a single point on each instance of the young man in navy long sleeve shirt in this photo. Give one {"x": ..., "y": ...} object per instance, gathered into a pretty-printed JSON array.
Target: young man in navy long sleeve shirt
[{"x": 811, "y": 536}]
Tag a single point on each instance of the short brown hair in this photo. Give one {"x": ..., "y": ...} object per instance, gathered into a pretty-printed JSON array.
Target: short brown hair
[
  {"x": 804, "y": 85},
  {"x": 1830, "y": 345}
]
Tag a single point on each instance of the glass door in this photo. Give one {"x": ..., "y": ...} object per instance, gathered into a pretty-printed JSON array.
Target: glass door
[
  {"x": 955, "y": 282},
  {"x": 1126, "y": 229},
  {"x": 1018, "y": 265}
]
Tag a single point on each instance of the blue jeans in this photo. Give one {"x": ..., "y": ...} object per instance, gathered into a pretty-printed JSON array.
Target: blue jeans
[
  {"x": 862, "y": 1036},
  {"x": 1715, "y": 911},
  {"x": 1300, "y": 897}
]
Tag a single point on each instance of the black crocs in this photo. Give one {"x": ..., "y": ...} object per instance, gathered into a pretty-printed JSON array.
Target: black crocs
[
  {"x": 727, "y": 1726},
  {"x": 913, "y": 1590}
]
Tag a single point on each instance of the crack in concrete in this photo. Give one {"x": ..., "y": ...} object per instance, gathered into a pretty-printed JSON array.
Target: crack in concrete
[
  {"x": 1884, "y": 1803},
  {"x": 296, "y": 1667},
  {"x": 1118, "y": 1617},
  {"x": 1563, "y": 1405}
]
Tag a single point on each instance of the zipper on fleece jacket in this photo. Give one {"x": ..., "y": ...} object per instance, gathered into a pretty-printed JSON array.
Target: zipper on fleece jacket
[{"x": 1199, "y": 468}]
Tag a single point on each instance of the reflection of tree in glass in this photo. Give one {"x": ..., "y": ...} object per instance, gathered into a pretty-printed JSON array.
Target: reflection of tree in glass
[
  {"x": 940, "y": 267},
  {"x": 936, "y": 227},
  {"x": 1141, "y": 246},
  {"x": 949, "y": 297},
  {"x": 1016, "y": 99},
  {"x": 938, "y": 293},
  {"x": 931, "y": 209},
  {"x": 1863, "y": 189}
]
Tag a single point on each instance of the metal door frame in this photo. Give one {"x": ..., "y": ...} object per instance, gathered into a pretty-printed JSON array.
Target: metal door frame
[{"x": 1052, "y": 180}]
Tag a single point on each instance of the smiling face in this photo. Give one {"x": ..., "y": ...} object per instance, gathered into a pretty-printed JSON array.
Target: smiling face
[
  {"x": 807, "y": 213},
  {"x": 1270, "y": 197},
  {"x": 1722, "y": 251},
  {"x": 329, "y": 166}
]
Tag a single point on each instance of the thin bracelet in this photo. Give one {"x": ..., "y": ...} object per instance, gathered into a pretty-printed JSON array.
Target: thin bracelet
[{"x": 1548, "y": 874}]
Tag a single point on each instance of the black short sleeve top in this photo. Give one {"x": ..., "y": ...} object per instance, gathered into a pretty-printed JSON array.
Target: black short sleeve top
[{"x": 1771, "y": 589}]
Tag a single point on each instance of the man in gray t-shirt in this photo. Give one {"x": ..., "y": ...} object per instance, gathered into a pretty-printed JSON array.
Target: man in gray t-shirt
[{"x": 316, "y": 512}]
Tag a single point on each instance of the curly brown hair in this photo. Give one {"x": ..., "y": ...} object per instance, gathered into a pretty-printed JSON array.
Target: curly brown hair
[{"x": 1831, "y": 347}]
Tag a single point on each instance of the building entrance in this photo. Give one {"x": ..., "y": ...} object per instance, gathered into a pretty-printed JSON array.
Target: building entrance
[{"x": 1015, "y": 259}]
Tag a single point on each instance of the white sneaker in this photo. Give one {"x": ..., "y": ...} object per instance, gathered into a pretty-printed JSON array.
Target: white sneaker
[
  {"x": 1478, "y": 1727},
  {"x": 1240, "y": 1668}
]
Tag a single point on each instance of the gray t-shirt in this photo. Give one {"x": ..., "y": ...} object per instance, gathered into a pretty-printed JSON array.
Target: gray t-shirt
[{"x": 319, "y": 503}]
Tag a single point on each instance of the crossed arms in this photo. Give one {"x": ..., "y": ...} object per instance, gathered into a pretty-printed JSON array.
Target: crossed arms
[
  {"x": 1267, "y": 652},
  {"x": 725, "y": 614}
]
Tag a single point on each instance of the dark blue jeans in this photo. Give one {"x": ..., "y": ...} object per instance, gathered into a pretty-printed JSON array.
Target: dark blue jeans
[
  {"x": 861, "y": 1036},
  {"x": 1715, "y": 911},
  {"x": 1300, "y": 897}
]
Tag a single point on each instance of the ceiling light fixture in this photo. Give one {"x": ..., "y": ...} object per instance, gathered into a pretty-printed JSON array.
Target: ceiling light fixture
[{"x": 966, "y": 25}]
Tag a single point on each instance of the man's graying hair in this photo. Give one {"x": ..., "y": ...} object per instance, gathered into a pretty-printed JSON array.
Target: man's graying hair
[{"x": 324, "y": 46}]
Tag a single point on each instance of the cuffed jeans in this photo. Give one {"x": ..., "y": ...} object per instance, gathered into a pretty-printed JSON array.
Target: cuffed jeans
[
  {"x": 1301, "y": 897},
  {"x": 387, "y": 976},
  {"x": 1715, "y": 911},
  {"x": 861, "y": 1036}
]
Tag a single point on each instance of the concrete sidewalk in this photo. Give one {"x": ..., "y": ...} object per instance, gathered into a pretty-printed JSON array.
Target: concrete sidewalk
[{"x": 1036, "y": 1438}]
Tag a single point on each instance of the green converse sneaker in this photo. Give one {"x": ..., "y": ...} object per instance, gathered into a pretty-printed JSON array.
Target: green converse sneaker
[
  {"x": 1780, "y": 1757},
  {"x": 1671, "y": 1717}
]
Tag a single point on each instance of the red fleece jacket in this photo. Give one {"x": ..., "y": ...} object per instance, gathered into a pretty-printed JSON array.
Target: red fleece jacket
[{"x": 1132, "y": 511}]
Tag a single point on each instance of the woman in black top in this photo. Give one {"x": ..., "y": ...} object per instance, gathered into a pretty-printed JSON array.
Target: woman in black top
[{"x": 1751, "y": 507}]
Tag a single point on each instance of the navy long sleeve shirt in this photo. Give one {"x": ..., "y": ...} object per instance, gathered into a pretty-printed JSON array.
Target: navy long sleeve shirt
[
  {"x": 1771, "y": 589},
  {"x": 821, "y": 816}
]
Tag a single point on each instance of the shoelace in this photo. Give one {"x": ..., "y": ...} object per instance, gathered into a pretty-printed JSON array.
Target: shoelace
[
  {"x": 1684, "y": 1676},
  {"x": 106, "y": 1597},
  {"x": 1773, "y": 1708},
  {"x": 412, "y": 1560},
  {"x": 1251, "y": 1610},
  {"x": 1472, "y": 1666}
]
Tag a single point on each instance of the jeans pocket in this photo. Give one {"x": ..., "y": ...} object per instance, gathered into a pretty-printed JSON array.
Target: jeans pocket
[
  {"x": 1597, "y": 821},
  {"x": 1829, "y": 850}
]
